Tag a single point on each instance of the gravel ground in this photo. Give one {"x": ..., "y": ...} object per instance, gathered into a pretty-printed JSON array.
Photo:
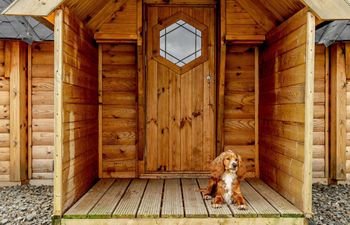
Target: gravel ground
[
  {"x": 331, "y": 204},
  {"x": 26, "y": 205},
  {"x": 33, "y": 205}
]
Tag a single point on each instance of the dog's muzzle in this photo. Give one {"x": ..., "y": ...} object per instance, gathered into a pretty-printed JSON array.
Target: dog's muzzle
[{"x": 234, "y": 165}]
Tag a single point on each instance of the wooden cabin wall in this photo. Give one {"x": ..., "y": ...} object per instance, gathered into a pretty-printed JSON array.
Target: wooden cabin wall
[
  {"x": 239, "y": 113},
  {"x": 321, "y": 107},
  {"x": 119, "y": 117},
  {"x": 285, "y": 140},
  {"x": 122, "y": 25},
  {"x": 42, "y": 106},
  {"x": 4, "y": 119},
  {"x": 240, "y": 25},
  {"x": 347, "y": 71},
  {"x": 76, "y": 111}
]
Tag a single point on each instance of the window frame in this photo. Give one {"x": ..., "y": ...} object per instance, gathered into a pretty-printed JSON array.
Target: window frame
[{"x": 169, "y": 21}]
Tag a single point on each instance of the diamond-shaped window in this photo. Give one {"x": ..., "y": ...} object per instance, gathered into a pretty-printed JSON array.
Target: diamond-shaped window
[{"x": 180, "y": 43}]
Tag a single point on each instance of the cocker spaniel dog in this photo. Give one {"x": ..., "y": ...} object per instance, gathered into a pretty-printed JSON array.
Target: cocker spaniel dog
[{"x": 227, "y": 171}]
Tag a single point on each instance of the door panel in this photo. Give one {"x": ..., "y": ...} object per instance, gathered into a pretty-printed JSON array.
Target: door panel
[{"x": 180, "y": 117}]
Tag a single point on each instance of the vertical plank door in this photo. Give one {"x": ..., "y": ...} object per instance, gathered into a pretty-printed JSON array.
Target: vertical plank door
[{"x": 180, "y": 98}]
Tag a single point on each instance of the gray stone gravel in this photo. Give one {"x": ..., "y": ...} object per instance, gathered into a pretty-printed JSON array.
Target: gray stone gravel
[
  {"x": 33, "y": 205},
  {"x": 26, "y": 205},
  {"x": 331, "y": 204}
]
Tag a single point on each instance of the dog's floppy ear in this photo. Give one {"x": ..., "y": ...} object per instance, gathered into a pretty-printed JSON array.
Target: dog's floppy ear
[
  {"x": 241, "y": 168},
  {"x": 217, "y": 167}
]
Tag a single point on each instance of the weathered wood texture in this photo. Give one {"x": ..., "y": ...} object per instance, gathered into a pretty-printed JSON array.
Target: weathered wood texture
[
  {"x": 180, "y": 114},
  {"x": 320, "y": 141},
  {"x": 347, "y": 72},
  {"x": 119, "y": 117},
  {"x": 42, "y": 119},
  {"x": 338, "y": 111},
  {"x": 121, "y": 24},
  {"x": 240, "y": 26},
  {"x": 4, "y": 118},
  {"x": 239, "y": 112},
  {"x": 282, "y": 115},
  {"x": 174, "y": 198},
  {"x": 16, "y": 59},
  {"x": 76, "y": 90}
]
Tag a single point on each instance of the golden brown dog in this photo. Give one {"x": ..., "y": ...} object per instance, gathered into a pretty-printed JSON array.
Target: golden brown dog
[{"x": 227, "y": 171}]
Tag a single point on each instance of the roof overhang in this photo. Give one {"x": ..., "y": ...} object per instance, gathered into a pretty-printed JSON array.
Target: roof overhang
[
  {"x": 329, "y": 9},
  {"x": 324, "y": 9},
  {"x": 32, "y": 7}
]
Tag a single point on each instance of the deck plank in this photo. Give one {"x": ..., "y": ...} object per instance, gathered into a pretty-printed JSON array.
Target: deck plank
[
  {"x": 281, "y": 204},
  {"x": 151, "y": 201},
  {"x": 104, "y": 208},
  {"x": 172, "y": 199},
  {"x": 87, "y": 202},
  {"x": 258, "y": 202},
  {"x": 224, "y": 211},
  {"x": 129, "y": 203},
  {"x": 193, "y": 201}
]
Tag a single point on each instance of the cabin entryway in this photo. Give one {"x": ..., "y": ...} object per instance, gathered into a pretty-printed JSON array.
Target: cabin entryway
[{"x": 180, "y": 89}]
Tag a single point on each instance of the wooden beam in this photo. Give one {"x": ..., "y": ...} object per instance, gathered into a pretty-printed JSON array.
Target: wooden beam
[
  {"x": 259, "y": 13},
  {"x": 221, "y": 79},
  {"x": 58, "y": 112},
  {"x": 326, "y": 116},
  {"x": 105, "y": 14},
  {"x": 338, "y": 113},
  {"x": 309, "y": 113},
  {"x": 329, "y": 9},
  {"x": 18, "y": 111},
  {"x": 256, "y": 89},
  {"x": 141, "y": 120},
  {"x": 30, "y": 112},
  {"x": 32, "y": 7},
  {"x": 48, "y": 21},
  {"x": 347, "y": 60},
  {"x": 100, "y": 112}
]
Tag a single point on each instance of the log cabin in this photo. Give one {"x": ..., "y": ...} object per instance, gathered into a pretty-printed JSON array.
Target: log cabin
[
  {"x": 26, "y": 50},
  {"x": 331, "y": 161},
  {"x": 148, "y": 93}
]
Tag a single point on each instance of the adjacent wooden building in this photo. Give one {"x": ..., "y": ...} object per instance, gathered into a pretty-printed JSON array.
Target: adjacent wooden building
[{"x": 141, "y": 109}]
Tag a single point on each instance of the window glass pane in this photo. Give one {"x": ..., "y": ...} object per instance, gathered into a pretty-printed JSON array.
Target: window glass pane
[{"x": 180, "y": 43}]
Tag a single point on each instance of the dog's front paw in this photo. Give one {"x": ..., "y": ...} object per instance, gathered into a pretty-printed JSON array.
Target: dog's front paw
[
  {"x": 216, "y": 205},
  {"x": 207, "y": 197},
  {"x": 242, "y": 207}
]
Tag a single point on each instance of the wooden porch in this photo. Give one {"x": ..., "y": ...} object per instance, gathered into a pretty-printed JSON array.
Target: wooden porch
[{"x": 174, "y": 198}]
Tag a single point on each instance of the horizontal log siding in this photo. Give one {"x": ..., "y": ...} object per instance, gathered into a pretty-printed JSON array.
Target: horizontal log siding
[
  {"x": 4, "y": 118},
  {"x": 42, "y": 110},
  {"x": 320, "y": 136},
  {"x": 239, "y": 114},
  {"x": 119, "y": 117}
]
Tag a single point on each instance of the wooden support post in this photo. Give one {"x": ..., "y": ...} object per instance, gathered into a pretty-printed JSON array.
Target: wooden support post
[
  {"x": 18, "y": 111},
  {"x": 30, "y": 112},
  {"x": 58, "y": 112},
  {"x": 309, "y": 113},
  {"x": 256, "y": 89},
  {"x": 221, "y": 79},
  {"x": 141, "y": 90},
  {"x": 338, "y": 113},
  {"x": 326, "y": 116},
  {"x": 100, "y": 108}
]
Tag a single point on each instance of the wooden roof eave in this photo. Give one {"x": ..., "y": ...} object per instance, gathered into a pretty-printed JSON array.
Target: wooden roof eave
[
  {"x": 325, "y": 10},
  {"x": 38, "y": 8}
]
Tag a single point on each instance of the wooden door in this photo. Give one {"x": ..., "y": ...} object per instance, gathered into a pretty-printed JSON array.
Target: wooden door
[{"x": 180, "y": 92}]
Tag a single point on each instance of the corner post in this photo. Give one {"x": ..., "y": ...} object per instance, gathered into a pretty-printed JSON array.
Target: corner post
[{"x": 17, "y": 58}]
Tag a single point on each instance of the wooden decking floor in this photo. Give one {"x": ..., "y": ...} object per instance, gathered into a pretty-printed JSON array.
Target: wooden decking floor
[{"x": 174, "y": 198}]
